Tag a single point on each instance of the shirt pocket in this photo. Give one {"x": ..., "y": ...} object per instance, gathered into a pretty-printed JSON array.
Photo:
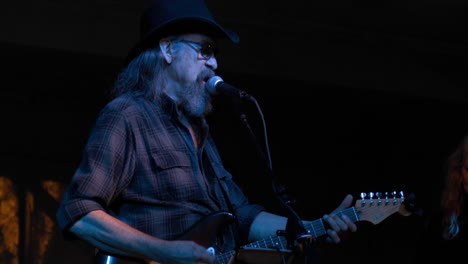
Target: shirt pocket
[{"x": 175, "y": 176}]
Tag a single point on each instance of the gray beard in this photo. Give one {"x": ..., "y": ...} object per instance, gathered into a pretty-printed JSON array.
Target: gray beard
[{"x": 196, "y": 101}]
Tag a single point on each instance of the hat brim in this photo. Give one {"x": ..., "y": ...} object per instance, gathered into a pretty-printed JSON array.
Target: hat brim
[{"x": 181, "y": 26}]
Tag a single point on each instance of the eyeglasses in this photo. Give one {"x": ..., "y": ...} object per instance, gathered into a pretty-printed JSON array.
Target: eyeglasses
[{"x": 206, "y": 49}]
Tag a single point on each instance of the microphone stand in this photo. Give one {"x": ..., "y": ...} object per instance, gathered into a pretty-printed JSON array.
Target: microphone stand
[{"x": 298, "y": 239}]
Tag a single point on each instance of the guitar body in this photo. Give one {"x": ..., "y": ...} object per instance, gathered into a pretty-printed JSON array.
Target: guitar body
[
  {"x": 203, "y": 233},
  {"x": 206, "y": 231}
]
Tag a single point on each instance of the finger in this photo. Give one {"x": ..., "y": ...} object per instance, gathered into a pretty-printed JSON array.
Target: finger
[
  {"x": 333, "y": 235},
  {"x": 342, "y": 222},
  {"x": 346, "y": 222},
  {"x": 335, "y": 222},
  {"x": 349, "y": 223},
  {"x": 202, "y": 254},
  {"x": 347, "y": 201},
  {"x": 329, "y": 223}
]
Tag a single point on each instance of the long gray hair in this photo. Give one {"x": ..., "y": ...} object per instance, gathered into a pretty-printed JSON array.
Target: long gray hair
[{"x": 141, "y": 76}]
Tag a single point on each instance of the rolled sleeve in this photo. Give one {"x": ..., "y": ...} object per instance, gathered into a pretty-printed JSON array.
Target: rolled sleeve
[
  {"x": 72, "y": 210},
  {"x": 104, "y": 171}
]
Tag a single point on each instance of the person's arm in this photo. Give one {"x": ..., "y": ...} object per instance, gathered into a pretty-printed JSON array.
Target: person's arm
[
  {"x": 114, "y": 236},
  {"x": 266, "y": 224}
]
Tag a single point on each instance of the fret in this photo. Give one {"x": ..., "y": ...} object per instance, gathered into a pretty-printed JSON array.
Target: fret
[
  {"x": 225, "y": 257},
  {"x": 276, "y": 242},
  {"x": 356, "y": 216},
  {"x": 318, "y": 227},
  {"x": 351, "y": 213},
  {"x": 283, "y": 243},
  {"x": 265, "y": 243}
]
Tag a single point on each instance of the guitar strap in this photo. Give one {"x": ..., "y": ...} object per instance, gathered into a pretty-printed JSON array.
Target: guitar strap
[
  {"x": 235, "y": 222},
  {"x": 231, "y": 210}
]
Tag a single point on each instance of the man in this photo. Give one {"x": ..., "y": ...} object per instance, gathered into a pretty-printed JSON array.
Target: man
[{"x": 150, "y": 171}]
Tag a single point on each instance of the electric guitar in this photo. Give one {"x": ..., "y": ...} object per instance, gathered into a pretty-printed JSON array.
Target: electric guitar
[{"x": 373, "y": 210}]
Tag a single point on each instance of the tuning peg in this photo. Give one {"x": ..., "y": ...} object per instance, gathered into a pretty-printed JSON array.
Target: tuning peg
[
  {"x": 402, "y": 197},
  {"x": 371, "y": 195},
  {"x": 395, "y": 201},
  {"x": 363, "y": 195},
  {"x": 379, "y": 195}
]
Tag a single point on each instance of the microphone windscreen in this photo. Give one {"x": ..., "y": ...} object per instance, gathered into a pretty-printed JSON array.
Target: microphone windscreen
[{"x": 212, "y": 83}]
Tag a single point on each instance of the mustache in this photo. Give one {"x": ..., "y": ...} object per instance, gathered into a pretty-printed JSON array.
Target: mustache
[{"x": 205, "y": 75}]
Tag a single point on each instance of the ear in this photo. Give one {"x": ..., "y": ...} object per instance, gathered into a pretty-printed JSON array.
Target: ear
[{"x": 165, "y": 47}]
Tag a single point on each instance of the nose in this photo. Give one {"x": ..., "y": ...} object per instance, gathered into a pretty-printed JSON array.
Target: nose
[{"x": 212, "y": 63}]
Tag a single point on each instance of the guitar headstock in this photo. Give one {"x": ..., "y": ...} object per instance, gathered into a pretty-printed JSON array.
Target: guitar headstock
[{"x": 378, "y": 206}]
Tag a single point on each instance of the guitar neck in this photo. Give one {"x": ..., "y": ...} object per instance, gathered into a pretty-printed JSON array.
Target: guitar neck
[
  {"x": 371, "y": 210},
  {"x": 316, "y": 228}
]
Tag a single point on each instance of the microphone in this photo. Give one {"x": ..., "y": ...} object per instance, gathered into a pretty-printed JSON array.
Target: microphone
[{"x": 216, "y": 85}]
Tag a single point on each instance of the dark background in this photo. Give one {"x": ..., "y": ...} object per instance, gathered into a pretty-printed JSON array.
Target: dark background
[{"x": 357, "y": 96}]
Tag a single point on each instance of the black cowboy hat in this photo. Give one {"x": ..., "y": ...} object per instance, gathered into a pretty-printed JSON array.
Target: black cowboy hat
[{"x": 165, "y": 17}]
